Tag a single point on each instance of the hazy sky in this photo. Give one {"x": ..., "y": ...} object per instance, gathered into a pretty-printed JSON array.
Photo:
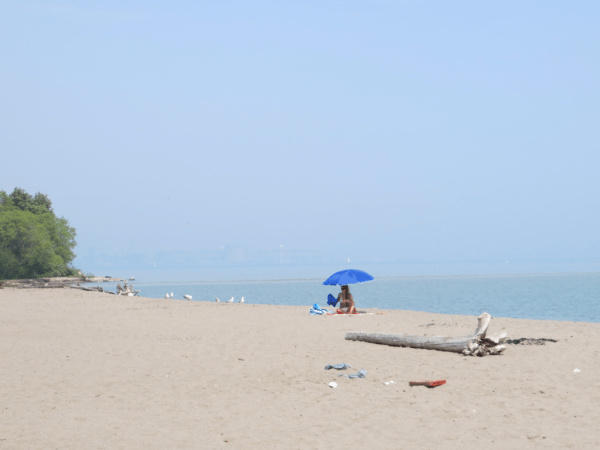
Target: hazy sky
[{"x": 406, "y": 130}]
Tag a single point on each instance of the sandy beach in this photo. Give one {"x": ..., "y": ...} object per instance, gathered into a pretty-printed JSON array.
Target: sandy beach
[{"x": 90, "y": 370}]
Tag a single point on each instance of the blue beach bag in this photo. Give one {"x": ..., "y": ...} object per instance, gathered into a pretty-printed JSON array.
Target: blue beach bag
[{"x": 331, "y": 300}]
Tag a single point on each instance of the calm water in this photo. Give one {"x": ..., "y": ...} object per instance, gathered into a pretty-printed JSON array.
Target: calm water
[{"x": 562, "y": 296}]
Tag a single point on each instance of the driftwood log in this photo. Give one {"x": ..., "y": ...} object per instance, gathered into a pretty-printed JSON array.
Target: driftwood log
[
  {"x": 121, "y": 290},
  {"x": 476, "y": 344},
  {"x": 92, "y": 289},
  {"x": 127, "y": 289}
]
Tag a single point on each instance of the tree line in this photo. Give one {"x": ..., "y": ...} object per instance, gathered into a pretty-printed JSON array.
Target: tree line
[{"x": 34, "y": 242}]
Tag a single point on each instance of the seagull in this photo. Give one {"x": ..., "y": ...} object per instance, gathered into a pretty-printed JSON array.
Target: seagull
[
  {"x": 187, "y": 297},
  {"x": 171, "y": 295},
  {"x": 242, "y": 300},
  {"x": 230, "y": 300},
  {"x": 167, "y": 296},
  {"x": 348, "y": 259},
  {"x": 218, "y": 300}
]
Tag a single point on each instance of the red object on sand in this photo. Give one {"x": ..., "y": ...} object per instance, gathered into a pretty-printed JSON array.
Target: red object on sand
[{"x": 428, "y": 383}]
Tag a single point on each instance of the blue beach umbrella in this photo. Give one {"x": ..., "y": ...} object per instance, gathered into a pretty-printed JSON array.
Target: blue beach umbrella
[{"x": 348, "y": 276}]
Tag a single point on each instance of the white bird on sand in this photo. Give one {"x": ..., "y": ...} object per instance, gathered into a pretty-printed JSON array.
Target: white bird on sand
[
  {"x": 242, "y": 300},
  {"x": 167, "y": 295},
  {"x": 230, "y": 300},
  {"x": 171, "y": 295},
  {"x": 218, "y": 300},
  {"x": 187, "y": 297}
]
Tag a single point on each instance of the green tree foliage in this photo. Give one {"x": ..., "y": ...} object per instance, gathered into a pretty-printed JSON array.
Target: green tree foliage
[{"x": 33, "y": 241}]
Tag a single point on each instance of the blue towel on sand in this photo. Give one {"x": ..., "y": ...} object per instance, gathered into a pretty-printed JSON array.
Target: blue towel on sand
[
  {"x": 316, "y": 310},
  {"x": 342, "y": 366}
]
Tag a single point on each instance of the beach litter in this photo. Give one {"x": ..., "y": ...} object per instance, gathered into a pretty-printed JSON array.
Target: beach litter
[
  {"x": 333, "y": 384},
  {"x": 576, "y": 371},
  {"x": 341, "y": 366},
  {"x": 360, "y": 374},
  {"x": 427, "y": 383},
  {"x": 389, "y": 382}
]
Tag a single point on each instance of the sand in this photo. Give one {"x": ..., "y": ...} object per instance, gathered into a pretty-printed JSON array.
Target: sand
[{"x": 91, "y": 370}]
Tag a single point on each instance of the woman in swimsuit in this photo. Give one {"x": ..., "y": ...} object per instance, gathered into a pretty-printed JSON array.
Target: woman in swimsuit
[{"x": 346, "y": 300}]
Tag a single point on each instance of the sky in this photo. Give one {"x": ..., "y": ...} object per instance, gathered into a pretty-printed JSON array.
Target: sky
[{"x": 379, "y": 130}]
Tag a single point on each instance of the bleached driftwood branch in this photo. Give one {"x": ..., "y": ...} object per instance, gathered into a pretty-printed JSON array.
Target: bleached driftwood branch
[
  {"x": 476, "y": 344},
  {"x": 91, "y": 289},
  {"x": 127, "y": 289}
]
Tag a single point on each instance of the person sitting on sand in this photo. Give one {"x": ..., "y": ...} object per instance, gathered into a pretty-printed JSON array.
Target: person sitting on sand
[{"x": 346, "y": 300}]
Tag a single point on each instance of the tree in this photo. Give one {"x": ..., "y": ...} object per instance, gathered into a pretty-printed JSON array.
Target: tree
[
  {"x": 33, "y": 241},
  {"x": 39, "y": 204}
]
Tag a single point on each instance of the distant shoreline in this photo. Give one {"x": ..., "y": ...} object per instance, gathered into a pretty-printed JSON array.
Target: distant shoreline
[
  {"x": 320, "y": 280},
  {"x": 54, "y": 282}
]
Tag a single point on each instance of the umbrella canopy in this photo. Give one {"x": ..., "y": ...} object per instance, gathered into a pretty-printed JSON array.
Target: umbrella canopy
[{"x": 348, "y": 276}]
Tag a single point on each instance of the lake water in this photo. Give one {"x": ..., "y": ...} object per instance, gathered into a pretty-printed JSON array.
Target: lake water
[{"x": 558, "y": 296}]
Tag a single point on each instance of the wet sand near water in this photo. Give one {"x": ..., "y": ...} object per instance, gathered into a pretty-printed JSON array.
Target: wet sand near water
[{"x": 90, "y": 370}]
